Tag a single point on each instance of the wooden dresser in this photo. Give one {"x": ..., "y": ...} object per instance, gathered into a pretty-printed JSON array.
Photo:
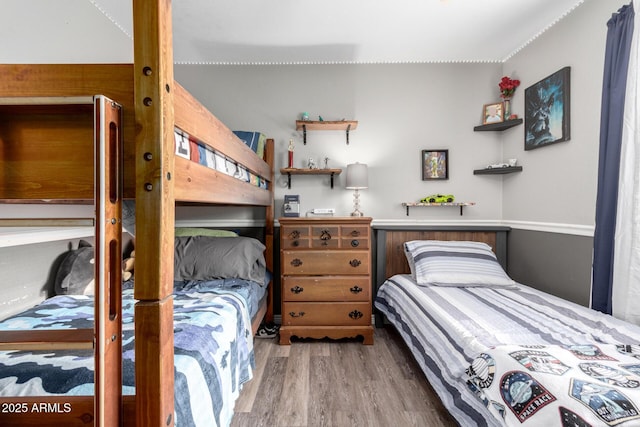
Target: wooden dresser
[{"x": 326, "y": 278}]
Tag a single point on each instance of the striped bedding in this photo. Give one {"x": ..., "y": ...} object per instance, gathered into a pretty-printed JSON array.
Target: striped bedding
[{"x": 447, "y": 328}]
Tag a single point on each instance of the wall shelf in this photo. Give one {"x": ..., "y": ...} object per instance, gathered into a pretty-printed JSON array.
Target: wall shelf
[
  {"x": 498, "y": 126},
  {"x": 306, "y": 171},
  {"x": 497, "y": 171},
  {"x": 461, "y": 205},
  {"x": 305, "y": 125}
]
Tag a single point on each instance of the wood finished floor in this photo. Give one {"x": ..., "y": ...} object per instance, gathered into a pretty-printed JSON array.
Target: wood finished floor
[{"x": 314, "y": 383}]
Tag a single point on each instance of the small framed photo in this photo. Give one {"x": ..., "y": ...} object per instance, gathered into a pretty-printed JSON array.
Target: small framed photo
[
  {"x": 435, "y": 164},
  {"x": 493, "y": 113}
]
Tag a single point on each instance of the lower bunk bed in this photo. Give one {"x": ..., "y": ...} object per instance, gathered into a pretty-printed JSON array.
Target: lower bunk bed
[
  {"x": 500, "y": 353},
  {"x": 216, "y": 301}
]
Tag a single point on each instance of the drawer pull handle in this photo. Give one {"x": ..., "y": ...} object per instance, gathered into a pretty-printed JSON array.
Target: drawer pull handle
[
  {"x": 355, "y": 263},
  {"x": 355, "y": 233},
  {"x": 355, "y": 243},
  {"x": 299, "y": 314},
  {"x": 297, "y": 289},
  {"x": 356, "y": 289},
  {"x": 355, "y": 314},
  {"x": 296, "y": 262},
  {"x": 325, "y": 235},
  {"x": 295, "y": 234},
  {"x": 295, "y": 243}
]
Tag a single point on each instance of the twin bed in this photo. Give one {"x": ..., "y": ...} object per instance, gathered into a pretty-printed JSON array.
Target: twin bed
[
  {"x": 193, "y": 334},
  {"x": 500, "y": 353}
]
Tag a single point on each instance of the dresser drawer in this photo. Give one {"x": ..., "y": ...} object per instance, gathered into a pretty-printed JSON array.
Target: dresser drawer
[
  {"x": 326, "y": 288},
  {"x": 354, "y": 243},
  {"x": 317, "y": 262},
  {"x": 326, "y": 314},
  {"x": 295, "y": 237}
]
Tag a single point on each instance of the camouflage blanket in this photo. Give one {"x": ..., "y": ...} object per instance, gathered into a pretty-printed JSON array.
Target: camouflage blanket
[{"x": 213, "y": 353}]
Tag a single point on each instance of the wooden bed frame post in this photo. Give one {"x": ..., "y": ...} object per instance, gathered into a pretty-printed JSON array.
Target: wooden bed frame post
[
  {"x": 269, "y": 157},
  {"x": 155, "y": 211},
  {"x": 108, "y": 262}
]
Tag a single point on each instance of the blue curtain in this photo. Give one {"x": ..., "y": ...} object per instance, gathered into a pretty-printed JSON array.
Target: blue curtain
[{"x": 618, "y": 47}]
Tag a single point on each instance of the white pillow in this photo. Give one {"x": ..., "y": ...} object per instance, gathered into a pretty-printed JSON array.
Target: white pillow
[{"x": 454, "y": 263}]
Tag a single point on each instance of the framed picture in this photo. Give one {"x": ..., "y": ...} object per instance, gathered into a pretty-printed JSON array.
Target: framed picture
[
  {"x": 435, "y": 164},
  {"x": 546, "y": 110},
  {"x": 493, "y": 113}
]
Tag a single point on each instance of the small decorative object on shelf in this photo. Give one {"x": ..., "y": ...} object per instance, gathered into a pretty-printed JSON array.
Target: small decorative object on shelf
[
  {"x": 304, "y": 116},
  {"x": 290, "y": 150},
  {"x": 311, "y": 164},
  {"x": 507, "y": 89},
  {"x": 438, "y": 198},
  {"x": 500, "y": 168},
  {"x": 461, "y": 205}
]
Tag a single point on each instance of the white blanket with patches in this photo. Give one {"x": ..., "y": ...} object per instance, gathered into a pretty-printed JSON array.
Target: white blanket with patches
[{"x": 580, "y": 385}]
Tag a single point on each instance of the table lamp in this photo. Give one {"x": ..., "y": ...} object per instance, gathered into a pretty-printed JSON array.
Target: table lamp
[{"x": 357, "y": 179}]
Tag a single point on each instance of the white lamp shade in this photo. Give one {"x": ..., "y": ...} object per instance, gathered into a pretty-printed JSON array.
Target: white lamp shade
[{"x": 357, "y": 176}]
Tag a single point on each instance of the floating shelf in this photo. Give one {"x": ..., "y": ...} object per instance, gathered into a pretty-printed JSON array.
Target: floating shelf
[
  {"x": 306, "y": 171},
  {"x": 305, "y": 125},
  {"x": 498, "y": 126},
  {"x": 497, "y": 171},
  {"x": 461, "y": 205}
]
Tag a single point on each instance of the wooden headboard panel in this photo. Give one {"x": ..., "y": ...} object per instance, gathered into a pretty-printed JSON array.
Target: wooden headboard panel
[{"x": 390, "y": 257}]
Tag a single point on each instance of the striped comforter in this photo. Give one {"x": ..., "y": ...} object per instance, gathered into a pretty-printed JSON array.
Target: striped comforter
[{"x": 447, "y": 328}]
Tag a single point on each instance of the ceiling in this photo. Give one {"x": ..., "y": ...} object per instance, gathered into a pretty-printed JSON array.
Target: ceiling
[{"x": 283, "y": 31}]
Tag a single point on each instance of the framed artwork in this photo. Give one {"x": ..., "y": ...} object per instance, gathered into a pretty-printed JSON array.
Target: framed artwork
[
  {"x": 435, "y": 164},
  {"x": 546, "y": 110},
  {"x": 493, "y": 113}
]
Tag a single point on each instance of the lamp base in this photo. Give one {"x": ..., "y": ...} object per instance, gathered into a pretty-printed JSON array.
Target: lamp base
[{"x": 357, "y": 213}]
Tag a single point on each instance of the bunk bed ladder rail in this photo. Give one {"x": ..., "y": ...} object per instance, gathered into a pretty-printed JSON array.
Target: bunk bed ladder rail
[
  {"x": 106, "y": 337},
  {"x": 108, "y": 262}
]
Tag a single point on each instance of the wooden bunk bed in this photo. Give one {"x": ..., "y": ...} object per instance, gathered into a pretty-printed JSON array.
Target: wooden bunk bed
[{"x": 153, "y": 105}]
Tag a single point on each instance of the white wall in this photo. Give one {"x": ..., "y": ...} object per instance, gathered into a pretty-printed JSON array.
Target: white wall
[
  {"x": 401, "y": 109},
  {"x": 559, "y": 181},
  {"x": 405, "y": 108}
]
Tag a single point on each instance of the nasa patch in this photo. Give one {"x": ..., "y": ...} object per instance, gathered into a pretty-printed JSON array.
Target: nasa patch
[
  {"x": 523, "y": 394},
  {"x": 609, "y": 375},
  {"x": 588, "y": 352},
  {"x": 540, "y": 361},
  {"x": 482, "y": 370},
  {"x": 605, "y": 402}
]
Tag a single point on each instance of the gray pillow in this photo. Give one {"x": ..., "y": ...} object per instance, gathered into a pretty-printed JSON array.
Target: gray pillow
[
  {"x": 208, "y": 258},
  {"x": 76, "y": 272}
]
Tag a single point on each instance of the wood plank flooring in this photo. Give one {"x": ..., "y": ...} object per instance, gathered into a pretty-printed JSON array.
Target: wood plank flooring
[{"x": 314, "y": 383}]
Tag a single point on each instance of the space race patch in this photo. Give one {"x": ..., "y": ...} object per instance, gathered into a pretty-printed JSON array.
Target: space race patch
[{"x": 523, "y": 394}]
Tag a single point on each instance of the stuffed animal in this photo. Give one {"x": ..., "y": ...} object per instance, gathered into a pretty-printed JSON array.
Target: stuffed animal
[
  {"x": 76, "y": 272},
  {"x": 127, "y": 266}
]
